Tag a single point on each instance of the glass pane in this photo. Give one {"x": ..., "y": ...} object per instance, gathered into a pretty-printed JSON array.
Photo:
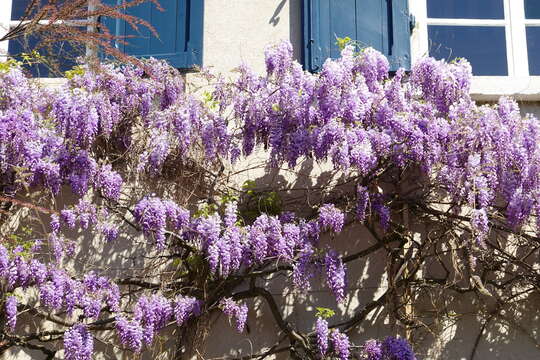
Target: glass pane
[
  {"x": 61, "y": 55},
  {"x": 483, "y": 46},
  {"x": 466, "y": 9},
  {"x": 532, "y": 9},
  {"x": 533, "y": 49},
  {"x": 18, "y": 7}
]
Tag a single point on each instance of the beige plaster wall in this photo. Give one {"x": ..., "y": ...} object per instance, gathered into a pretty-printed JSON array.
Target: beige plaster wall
[{"x": 237, "y": 31}]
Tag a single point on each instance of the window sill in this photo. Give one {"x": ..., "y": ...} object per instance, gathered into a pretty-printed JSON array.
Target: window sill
[
  {"x": 490, "y": 88},
  {"x": 52, "y": 82}
]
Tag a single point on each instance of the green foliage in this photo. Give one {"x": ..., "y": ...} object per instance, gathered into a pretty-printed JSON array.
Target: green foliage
[
  {"x": 6, "y": 66},
  {"x": 21, "y": 240},
  {"x": 33, "y": 57},
  {"x": 209, "y": 100},
  {"x": 259, "y": 202},
  {"x": 342, "y": 42},
  {"x": 206, "y": 210},
  {"x": 76, "y": 70},
  {"x": 324, "y": 313}
]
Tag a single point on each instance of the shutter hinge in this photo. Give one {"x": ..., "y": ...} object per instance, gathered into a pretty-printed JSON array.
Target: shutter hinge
[{"x": 412, "y": 22}]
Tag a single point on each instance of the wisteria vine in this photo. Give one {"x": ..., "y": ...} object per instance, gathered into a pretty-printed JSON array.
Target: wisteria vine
[{"x": 111, "y": 131}]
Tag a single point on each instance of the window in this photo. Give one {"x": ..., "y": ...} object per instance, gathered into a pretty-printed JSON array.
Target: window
[
  {"x": 532, "y": 33},
  {"x": 498, "y": 37},
  {"x": 381, "y": 24},
  {"x": 12, "y": 13},
  {"x": 179, "y": 28}
]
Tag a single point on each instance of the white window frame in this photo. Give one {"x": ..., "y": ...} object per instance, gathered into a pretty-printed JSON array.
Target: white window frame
[{"x": 518, "y": 83}]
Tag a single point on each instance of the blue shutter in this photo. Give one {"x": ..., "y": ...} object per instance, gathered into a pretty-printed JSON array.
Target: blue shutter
[
  {"x": 381, "y": 24},
  {"x": 179, "y": 28}
]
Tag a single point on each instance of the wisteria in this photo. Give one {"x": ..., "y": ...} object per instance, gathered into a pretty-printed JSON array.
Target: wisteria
[
  {"x": 395, "y": 348},
  {"x": 78, "y": 343},
  {"x": 321, "y": 331},
  {"x": 236, "y": 311},
  {"x": 186, "y": 307},
  {"x": 340, "y": 344},
  {"x": 11, "y": 312},
  {"x": 123, "y": 156}
]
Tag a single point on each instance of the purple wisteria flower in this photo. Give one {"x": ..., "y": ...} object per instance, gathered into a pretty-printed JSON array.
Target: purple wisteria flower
[
  {"x": 237, "y": 311},
  {"x": 321, "y": 332},
  {"x": 397, "y": 349},
  {"x": 335, "y": 275},
  {"x": 373, "y": 350},
  {"x": 11, "y": 312},
  {"x": 78, "y": 343},
  {"x": 331, "y": 218},
  {"x": 340, "y": 344}
]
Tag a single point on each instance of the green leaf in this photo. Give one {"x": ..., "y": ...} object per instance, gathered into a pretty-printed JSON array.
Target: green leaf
[
  {"x": 324, "y": 313},
  {"x": 342, "y": 42}
]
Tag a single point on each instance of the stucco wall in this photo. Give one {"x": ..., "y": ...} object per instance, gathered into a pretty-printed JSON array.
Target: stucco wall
[{"x": 237, "y": 31}]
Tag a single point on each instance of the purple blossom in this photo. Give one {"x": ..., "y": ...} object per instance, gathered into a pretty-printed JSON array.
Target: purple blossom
[
  {"x": 480, "y": 225},
  {"x": 237, "y": 311},
  {"x": 321, "y": 331},
  {"x": 373, "y": 350},
  {"x": 78, "y": 343},
  {"x": 152, "y": 314},
  {"x": 331, "y": 218},
  {"x": 335, "y": 275},
  {"x": 151, "y": 214},
  {"x": 340, "y": 344},
  {"x": 397, "y": 349},
  {"x": 11, "y": 312},
  {"x": 362, "y": 205},
  {"x": 186, "y": 307},
  {"x": 109, "y": 182},
  {"x": 130, "y": 333}
]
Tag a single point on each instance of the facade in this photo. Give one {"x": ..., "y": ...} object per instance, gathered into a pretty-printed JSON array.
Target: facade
[{"x": 500, "y": 37}]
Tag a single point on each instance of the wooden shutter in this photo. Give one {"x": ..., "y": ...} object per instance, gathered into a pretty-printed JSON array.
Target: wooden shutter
[
  {"x": 381, "y": 24},
  {"x": 179, "y": 28}
]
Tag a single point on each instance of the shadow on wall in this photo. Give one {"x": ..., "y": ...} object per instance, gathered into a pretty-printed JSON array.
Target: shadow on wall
[{"x": 295, "y": 21}]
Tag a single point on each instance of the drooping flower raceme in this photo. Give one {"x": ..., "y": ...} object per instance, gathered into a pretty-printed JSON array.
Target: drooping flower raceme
[
  {"x": 395, "y": 348},
  {"x": 237, "y": 311},
  {"x": 321, "y": 331},
  {"x": 78, "y": 343},
  {"x": 11, "y": 312},
  {"x": 340, "y": 344}
]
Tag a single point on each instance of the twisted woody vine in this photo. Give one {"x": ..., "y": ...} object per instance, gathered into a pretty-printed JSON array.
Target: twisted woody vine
[{"x": 132, "y": 164}]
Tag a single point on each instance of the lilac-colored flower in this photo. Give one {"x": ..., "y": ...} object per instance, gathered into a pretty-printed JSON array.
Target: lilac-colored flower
[
  {"x": 186, "y": 307},
  {"x": 237, "y": 311},
  {"x": 335, "y": 275},
  {"x": 78, "y": 343},
  {"x": 130, "y": 333},
  {"x": 362, "y": 204},
  {"x": 397, "y": 349},
  {"x": 11, "y": 312},
  {"x": 340, "y": 344},
  {"x": 373, "y": 350},
  {"x": 321, "y": 331},
  {"x": 331, "y": 218},
  {"x": 109, "y": 182}
]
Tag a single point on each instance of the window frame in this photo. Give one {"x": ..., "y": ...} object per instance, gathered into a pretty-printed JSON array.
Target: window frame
[{"x": 518, "y": 82}]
